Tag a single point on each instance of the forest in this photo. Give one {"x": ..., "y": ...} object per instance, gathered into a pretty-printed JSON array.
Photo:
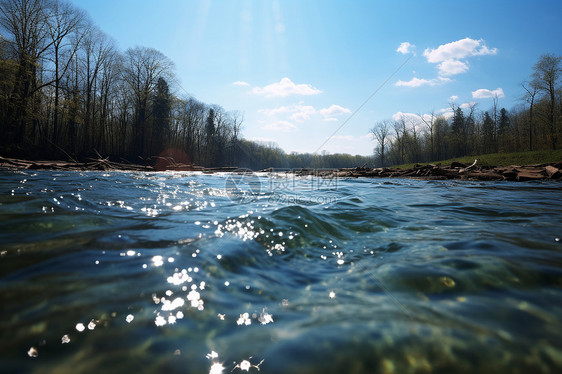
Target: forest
[
  {"x": 67, "y": 92},
  {"x": 463, "y": 130}
]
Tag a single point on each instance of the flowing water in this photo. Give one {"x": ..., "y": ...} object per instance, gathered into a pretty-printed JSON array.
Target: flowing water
[{"x": 193, "y": 273}]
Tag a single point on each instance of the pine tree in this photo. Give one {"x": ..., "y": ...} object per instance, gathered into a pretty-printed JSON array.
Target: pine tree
[
  {"x": 488, "y": 133},
  {"x": 458, "y": 133},
  {"x": 210, "y": 137},
  {"x": 503, "y": 130},
  {"x": 161, "y": 109}
]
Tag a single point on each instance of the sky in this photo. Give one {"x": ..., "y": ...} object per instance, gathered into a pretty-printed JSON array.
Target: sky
[{"x": 317, "y": 75}]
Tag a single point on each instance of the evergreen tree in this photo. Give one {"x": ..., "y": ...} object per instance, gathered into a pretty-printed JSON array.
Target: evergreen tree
[
  {"x": 503, "y": 131},
  {"x": 458, "y": 133},
  {"x": 210, "y": 137},
  {"x": 161, "y": 110},
  {"x": 488, "y": 133}
]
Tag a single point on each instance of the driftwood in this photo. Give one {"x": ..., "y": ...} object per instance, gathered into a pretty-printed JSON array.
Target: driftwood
[
  {"x": 92, "y": 164},
  {"x": 456, "y": 170},
  {"x": 103, "y": 164}
]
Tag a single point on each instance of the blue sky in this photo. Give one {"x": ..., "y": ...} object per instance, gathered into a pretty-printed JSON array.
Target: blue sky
[{"x": 297, "y": 70}]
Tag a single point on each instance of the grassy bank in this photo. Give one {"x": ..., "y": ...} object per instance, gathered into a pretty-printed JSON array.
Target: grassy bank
[{"x": 502, "y": 159}]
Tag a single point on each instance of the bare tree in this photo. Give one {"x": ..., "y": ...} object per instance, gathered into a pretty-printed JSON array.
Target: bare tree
[
  {"x": 531, "y": 90},
  {"x": 545, "y": 77},
  {"x": 401, "y": 132},
  {"x": 64, "y": 20},
  {"x": 429, "y": 124},
  {"x": 470, "y": 127},
  {"x": 95, "y": 56},
  {"x": 143, "y": 67},
  {"x": 381, "y": 132},
  {"x": 24, "y": 22}
]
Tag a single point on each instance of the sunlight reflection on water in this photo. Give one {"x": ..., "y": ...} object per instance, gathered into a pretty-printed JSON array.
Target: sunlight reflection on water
[{"x": 151, "y": 272}]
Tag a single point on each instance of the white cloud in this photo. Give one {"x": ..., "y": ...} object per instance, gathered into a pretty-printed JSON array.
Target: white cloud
[
  {"x": 283, "y": 126},
  {"x": 333, "y": 111},
  {"x": 407, "y": 116},
  {"x": 284, "y": 88},
  {"x": 303, "y": 113},
  {"x": 457, "y": 50},
  {"x": 453, "y": 98},
  {"x": 467, "y": 105},
  {"x": 450, "y": 59},
  {"x": 484, "y": 93},
  {"x": 452, "y": 67},
  {"x": 485, "y": 51},
  {"x": 240, "y": 83},
  {"x": 446, "y": 113},
  {"x": 405, "y": 48},
  {"x": 298, "y": 112},
  {"x": 412, "y": 119},
  {"x": 417, "y": 82}
]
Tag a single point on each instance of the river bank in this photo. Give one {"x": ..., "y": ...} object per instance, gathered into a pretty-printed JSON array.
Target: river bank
[{"x": 456, "y": 170}]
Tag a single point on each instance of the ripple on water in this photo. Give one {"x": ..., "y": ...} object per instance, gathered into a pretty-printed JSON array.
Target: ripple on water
[{"x": 149, "y": 272}]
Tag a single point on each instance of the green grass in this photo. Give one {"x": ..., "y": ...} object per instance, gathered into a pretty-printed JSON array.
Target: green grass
[{"x": 501, "y": 159}]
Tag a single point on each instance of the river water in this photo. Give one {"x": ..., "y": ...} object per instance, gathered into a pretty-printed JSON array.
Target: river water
[{"x": 193, "y": 273}]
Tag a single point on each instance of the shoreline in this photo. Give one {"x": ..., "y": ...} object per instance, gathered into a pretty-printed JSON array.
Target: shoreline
[{"x": 457, "y": 170}]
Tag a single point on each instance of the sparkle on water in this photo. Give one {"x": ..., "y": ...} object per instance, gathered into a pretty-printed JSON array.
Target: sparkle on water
[{"x": 154, "y": 270}]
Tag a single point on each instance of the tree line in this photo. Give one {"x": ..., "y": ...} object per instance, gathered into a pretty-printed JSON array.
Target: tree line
[
  {"x": 462, "y": 130},
  {"x": 67, "y": 91},
  {"x": 260, "y": 155}
]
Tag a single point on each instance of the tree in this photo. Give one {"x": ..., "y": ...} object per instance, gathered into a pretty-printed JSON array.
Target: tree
[
  {"x": 441, "y": 133},
  {"x": 545, "y": 77},
  {"x": 400, "y": 131},
  {"x": 381, "y": 131},
  {"x": 63, "y": 21},
  {"x": 470, "y": 129},
  {"x": 161, "y": 110},
  {"x": 8, "y": 69},
  {"x": 429, "y": 120},
  {"x": 210, "y": 137},
  {"x": 24, "y": 22},
  {"x": 488, "y": 133},
  {"x": 97, "y": 68},
  {"x": 237, "y": 120},
  {"x": 458, "y": 132},
  {"x": 143, "y": 67},
  {"x": 504, "y": 124},
  {"x": 531, "y": 90}
]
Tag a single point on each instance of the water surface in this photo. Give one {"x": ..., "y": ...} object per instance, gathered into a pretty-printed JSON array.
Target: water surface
[{"x": 192, "y": 273}]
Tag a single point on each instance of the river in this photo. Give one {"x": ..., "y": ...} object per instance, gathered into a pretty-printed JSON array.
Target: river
[{"x": 192, "y": 273}]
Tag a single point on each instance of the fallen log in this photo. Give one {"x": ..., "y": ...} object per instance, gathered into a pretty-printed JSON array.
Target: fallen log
[
  {"x": 483, "y": 176},
  {"x": 455, "y": 171},
  {"x": 464, "y": 170},
  {"x": 553, "y": 172}
]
